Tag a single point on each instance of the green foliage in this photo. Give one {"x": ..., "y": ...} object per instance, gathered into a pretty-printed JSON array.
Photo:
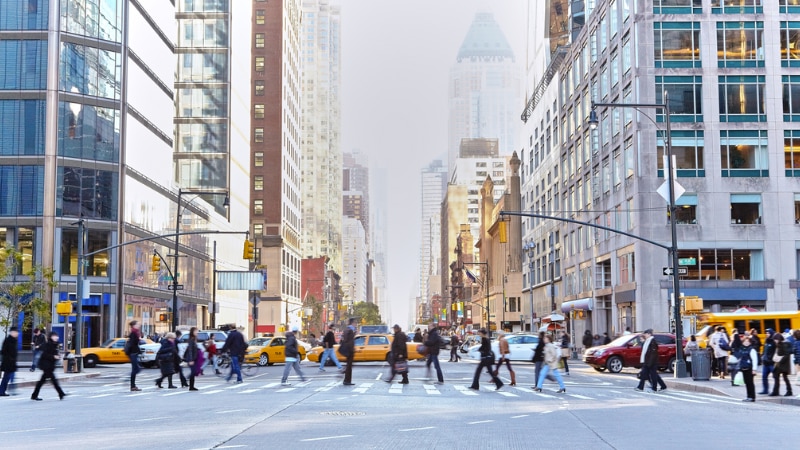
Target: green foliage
[
  {"x": 368, "y": 313},
  {"x": 316, "y": 323},
  {"x": 23, "y": 291}
]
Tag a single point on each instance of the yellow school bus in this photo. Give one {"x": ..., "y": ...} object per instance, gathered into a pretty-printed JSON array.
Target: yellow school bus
[{"x": 744, "y": 321}]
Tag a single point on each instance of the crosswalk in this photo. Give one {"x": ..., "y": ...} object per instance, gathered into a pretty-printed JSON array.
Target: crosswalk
[{"x": 102, "y": 388}]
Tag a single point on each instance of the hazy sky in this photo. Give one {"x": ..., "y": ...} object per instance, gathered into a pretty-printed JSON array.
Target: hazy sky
[{"x": 396, "y": 57}]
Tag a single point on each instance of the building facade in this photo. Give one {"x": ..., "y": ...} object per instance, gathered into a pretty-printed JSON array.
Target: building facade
[
  {"x": 355, "y": 260},
  {"x": 432, "y": 189}
]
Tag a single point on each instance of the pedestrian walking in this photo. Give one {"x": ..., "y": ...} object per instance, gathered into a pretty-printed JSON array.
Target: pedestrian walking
[
  {"x": 587, "y": 339},
  {"x": 551, "y": 356},
  {"x": 292, "y": 357},
  {"x": 505, "y": 353},
  {"x": 190, "y": 356},
  {"x": 433, "y": 343},
  {"x": 454, "y": 342},
  {"x": 37, "y": 341},
  {"x": 235, "y": 346},
  {"x": 166, "y": 357},
  {"x": 748, "y": 365},
  {"x": 767, "y": 365},
  {"x": 487, "y": 360},
  {"x": 565, "y": 351},
  {"x": 719, "y": 342},
  {"x": 796, "y": 345},
  {"x": 47, "y": 363},
  {"x": 211, "y": 349},
  {"x": 606, "y": 338},
  {"x": 690, "y": 347},
  {"x": 538, "y": 359},
  {"x": 755, "y": 341},
  {"x": 597, "y": 340},
  {"x": 733, "y": 358},
  {"x": 312, "y": 339},
  {"x": 418, "y": 335},
  {"x": 348, "y": 350},
  {"x": 649, "y": 362},
  {"x": 328, "y": 341},
  {"x": 399, "y": 362},
  {"x": 132, "y": 350},
  {"x": 782, "y": 359},
  {"x": 176, "y": 363},
  {"x": 9, "y": 364}
]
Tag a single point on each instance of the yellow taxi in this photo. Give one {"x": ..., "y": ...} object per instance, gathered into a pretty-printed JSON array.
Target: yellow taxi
[
  {"x": 266, "y": 351},
  {"x": 111, "y": 351},
  {"x": 369, "y": 347}
]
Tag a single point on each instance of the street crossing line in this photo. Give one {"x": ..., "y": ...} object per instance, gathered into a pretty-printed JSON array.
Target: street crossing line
[
  {"x": 269, "y": 385},
  {"x": 248, "y": 391},
  {"x": 101, "y": 395},
  {"x": 431, "y": 390},
  {"x": 238, "y": 385},
  {"x": 507, "y": 394},
  {"x": 583, "y": 397},
  {"x": 464, "y": 390},
  {"x": 327, "y": 387},
  {"x": 205, "y": 392},
  {"x": 362, "y": 388},
  {"x": 396, "y": 389}
]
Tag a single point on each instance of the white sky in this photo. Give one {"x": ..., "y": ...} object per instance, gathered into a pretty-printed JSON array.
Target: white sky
[{"x": 396, "y": 57}]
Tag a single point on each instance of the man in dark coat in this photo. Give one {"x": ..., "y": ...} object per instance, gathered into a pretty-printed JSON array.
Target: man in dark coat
[
  {"x": 347, "y": 349},
  {"x": 432, "y": 343},
  {"x": 329, "y": 352},
  {"x": 9, "y": 365},
  {"x": 48, "y": 365},
  {"x": 37, "y": 342},
  {"x": 649, "y": 361},
  {"x": 399, "y": 354},
  {"x": 235, "y": 345}
]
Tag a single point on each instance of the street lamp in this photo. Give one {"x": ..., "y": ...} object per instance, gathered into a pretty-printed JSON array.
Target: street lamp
[
  {"x": 175, "y": 285},
  {"x": 486, "y": 285},
  {"x": 680, "y": 364},
  {"x": 530, "y": 249}
]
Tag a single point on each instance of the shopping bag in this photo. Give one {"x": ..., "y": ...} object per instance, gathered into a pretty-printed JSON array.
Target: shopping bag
[{"x": 738, "y": 380}]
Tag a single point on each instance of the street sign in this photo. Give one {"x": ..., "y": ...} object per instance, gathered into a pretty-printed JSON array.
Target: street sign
[
  {"x": 663, "y": 191},
  {"x": 255, "y": 299},
  {"x": 687, "y": 261},
  {"x": 681, "y": 271},
  {"x": 173, "y": 287}
]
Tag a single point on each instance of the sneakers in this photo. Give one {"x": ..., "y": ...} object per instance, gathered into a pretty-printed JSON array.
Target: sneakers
[
  {"x": 38, "y": 399},
  {"x": 536, "y": 389},
  {"x": 638, "y": 389},
  {"x": 284, "y": 383},
  {"x": 439, "y": 382},
  {"x": 322, "y": 370},
  {"x": 561, "y": 391},
  {"x": 749, "y": 400},
  {"x": 662, "y": 389},
  {"x": 134, "y": 389}
]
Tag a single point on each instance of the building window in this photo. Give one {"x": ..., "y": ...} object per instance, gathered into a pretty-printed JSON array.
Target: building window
[
  {"x": 791, "y": 98},
  {"x": 258, "y": 183},
  {"x": 258, "y": 111},
  {"x": 687, "y": 147},
  {"x": 686, "y": 210},
  {"x": 797, "y": 209},
  {"x": 746, "y": 209},
  {"x": 258, "y": 229},
  {"x": 791, "y": 152},
  {"x": 259, "y": 64},
  {"x": 737, "y": 6},
  {"x": 258, "y": 134},
  {"x": 676, "y": 44},
  {"x": 258, "y": 207},
  {"x": 744, "y": 153},
  {"x": 740, "y": 44},
  {"x": 677, "y": 6},
  {"x": 789, "y": 6},
  {"x": 260, "y": 17},
  {"x": 741, "y": 99},
  {"x": 259, "y": 87},
  {"x": 259, "y": 40},
  {"x": 627, "y": 273},
  {"x": 723, "y": 264},
  {"x": 790, "y": 44},
  {"x": 685, "y": 97}
]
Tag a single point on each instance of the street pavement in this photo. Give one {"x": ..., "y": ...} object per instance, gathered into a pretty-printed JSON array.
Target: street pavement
[{"x": 599, "y": 410}]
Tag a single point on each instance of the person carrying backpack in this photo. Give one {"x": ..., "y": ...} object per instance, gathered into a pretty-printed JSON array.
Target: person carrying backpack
[
  {"x": 748, "y": 365},
  {"x": 719, "y": 342}
]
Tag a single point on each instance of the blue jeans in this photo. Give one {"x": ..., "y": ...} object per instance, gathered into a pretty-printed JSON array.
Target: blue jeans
[
  {"x": 435, "y": 360},
  {"x": 766, "y": 370},
  {"x": 36, "y": 355},
  {"x": 288, "y": 367},
  {"x": 235, "y": 368},
  {"x": 329, "y": 353},
  {"x": 543, "y": 375},
  {"x": 8, "y": 378},
  {"x": 134, "y": 359}
]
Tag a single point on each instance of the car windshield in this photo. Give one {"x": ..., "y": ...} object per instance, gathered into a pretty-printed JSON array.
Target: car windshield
[
  {"x": 107, "y": 343},
  {"x": 622, "y": 340}
]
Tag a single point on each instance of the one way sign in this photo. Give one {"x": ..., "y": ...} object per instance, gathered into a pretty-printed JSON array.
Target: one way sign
[{"x": 682, "y": 270}]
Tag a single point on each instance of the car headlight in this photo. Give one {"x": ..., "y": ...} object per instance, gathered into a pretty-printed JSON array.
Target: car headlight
[{"x": 252, "y": 350}]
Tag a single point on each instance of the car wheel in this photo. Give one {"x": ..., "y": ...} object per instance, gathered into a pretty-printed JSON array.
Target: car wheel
[
  {"x": 147, "y": 365},
  {"x": 671, "y": 365},
  {"x": 614, "y": 364},
  {"x": 263, "y": 360},
  {"x": 89, "y": 361},
  {"x": 599, "y": 369}
]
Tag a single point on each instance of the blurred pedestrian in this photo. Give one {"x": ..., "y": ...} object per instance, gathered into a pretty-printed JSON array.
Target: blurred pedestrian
[
  {"x": 748, "y": 365},
  {"x": 597, "y": 341},
  {"x": 9, "y": 364},
  {"x": 399, "y": 362},
  {"x": 565, "y": 344},
  {"x": 348, "y": 350},
  {"x": 166, "y": 357},
  {"x": 418, "y": 335},
  {"x": 312, "y": 340},
  {"x": 487, "y": 360},
  {"x": 538, "y": 359},
  {"x": 176, "y": 363},
  {"x": 767, "y": 365},
  {"x": 190, "y": 356},
  {"x": 454, "y": 343},
  {"x": 649, "y": 361},
  {"x": 733, "y": 359},
  {"x": 606, "y": 338},
  {"x": 505, "y": 353},
  {"x": 132, "y": 350},
  {"x": 719, "y": 342},
  {"x": 235, "y": 347},
  {"x": 211, "y": 349},
  {"x": 37, "y": 341},
  {"x": 587, "y": 340},
  {"x": 47, "y": 363},
  {"x": 690, "y": 347},
  {"x": 433, "y": 343},
  {"x": 796, "y": 344},
  {"x": 550, "y": 365},
  {"x": 292, "y": 357},
  {"x": 329, "y": 352},
  {"x": 782, "y": 359}
]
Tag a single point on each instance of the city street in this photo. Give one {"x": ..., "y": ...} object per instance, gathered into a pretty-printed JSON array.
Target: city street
[{"x": 599, "y": 410}]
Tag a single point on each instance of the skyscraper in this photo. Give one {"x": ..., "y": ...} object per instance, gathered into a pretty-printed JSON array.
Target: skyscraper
[{"x": 433, "y": 188}]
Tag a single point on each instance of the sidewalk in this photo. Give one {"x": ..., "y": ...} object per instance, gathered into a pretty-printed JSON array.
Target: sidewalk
[
  {"x": 724, "y": 388},
  {"x": 25, "y": 378}
]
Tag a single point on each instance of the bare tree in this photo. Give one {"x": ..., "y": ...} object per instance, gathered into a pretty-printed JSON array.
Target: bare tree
[{"x": 23, "y": 291}]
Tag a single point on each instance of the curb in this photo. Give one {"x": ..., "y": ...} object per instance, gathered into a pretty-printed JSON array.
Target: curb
[
  {"x": 32, "y": 383},
  {"x": 679, "y": 386}
]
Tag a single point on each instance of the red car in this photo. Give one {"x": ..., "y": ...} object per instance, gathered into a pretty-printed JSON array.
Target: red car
[{"x": 626, "y": 351}]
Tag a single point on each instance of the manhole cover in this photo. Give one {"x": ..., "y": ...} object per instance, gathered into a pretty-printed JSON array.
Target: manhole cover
[{"x": 342, "y": 413}]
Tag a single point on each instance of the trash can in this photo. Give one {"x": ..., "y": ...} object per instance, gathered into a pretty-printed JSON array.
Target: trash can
[
  {"x": 701, "y": 365},
  {"x": 69, "y": 363}
]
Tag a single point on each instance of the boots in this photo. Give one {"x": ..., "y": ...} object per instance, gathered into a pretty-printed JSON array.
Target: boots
[{"x": 513, "y": 378}]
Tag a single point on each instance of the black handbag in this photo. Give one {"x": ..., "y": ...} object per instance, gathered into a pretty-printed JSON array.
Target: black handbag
[{"x": 401, "y": 366}]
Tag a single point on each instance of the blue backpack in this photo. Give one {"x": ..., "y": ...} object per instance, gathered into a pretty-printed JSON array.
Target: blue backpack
[{"x": 744, "y": 359}]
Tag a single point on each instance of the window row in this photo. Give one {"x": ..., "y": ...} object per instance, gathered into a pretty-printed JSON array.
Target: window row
[
  {"x": 24, "y": 15},
  {"x": 24, "y": 64},
  {"x": 745, "y": 209},
  {"x": 89, "y": 71},
  {"x": 23, "y": 125},
  {"x": 101, "y": 19}
]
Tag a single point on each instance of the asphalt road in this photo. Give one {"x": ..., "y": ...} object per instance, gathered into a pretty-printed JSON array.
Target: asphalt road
[{"x": 598, "y": 411}]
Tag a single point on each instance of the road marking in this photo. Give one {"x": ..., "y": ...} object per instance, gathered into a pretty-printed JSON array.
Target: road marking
[
  {"x": 175, "y": 393},
  {"x": 417, "y": 429},
  {"x": 288, "y": 389},
  {"x": 546, "y": 412},
  {"x": 507, "y": 394},
  {"x": 248, "y": 391},
  {"x": 139, "y": 394},
  {"x": 205, "y": 392},
  {"x": 326, "y": 438},
  {"x": 101, "y": 395},
  {"x": 26, "y": 431},
  {"x": 266, "y": 386},
  {"x": 327, "y": 387},
  {"x": 480, "y": 421},
  {"x": 236, "y": 386},
  {"x": 464, "y": 390},
  {"x": 150, "y": 418},
  {"x": 396, "y": 389},
  {"x": 232, "y": 446},
  {"x": 431, "y": 390},
  {"x": 580, "y": 396},
  {"x": 362, "y": 388},
  {"x": 616, "y": 392},
  {"x": 519, "y": 417},
  {"x": 230, "y": 411}
]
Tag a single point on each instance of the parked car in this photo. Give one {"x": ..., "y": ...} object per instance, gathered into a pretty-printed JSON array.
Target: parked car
[
  {"x": 202, "y": 336},
  {"x": 469, "y": 342},
  {"x": 626, "y": 351},
  {"x": 266, "y": 351},
  {"x": 112, "y": 351},
  {"x": 368, "y": 347},
  {"x": 520, "y": 345}
]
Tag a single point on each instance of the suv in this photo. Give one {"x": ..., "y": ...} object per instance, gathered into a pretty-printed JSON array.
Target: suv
[
  {"x": 626, "y": 351},
  {"x": 202, "y": 336}
]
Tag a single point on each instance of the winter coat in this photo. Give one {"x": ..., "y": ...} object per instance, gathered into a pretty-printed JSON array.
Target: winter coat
[
  {"x": 399, "y": 347},
  {"x": 132, "y": 346},
  {"x": 290, "y": 351},
  {"x": 690, "y": 347},
  {"x": 587, "y": 339},
  {"x": 551, "y": 355},
  {"x": 769, "y": 351},
  {"x": 47, "y": 362},
  {"x": 538, "y": 354},
  {"x": 166, "y": 357},
  {"x": 329, "y": 340},
  {"x": 784, "y": 349},
  {"x": 503, "y": 345},
  {"x": 190, "y": 355},
  {"x": 234, "y": 344},
  {"x": 716, "y": 338},
  {"x": 433, "y": 342},
  {"x": 347, "y": 346},
  {"x": 486, "y": 348},
  {"x": 9, "y": 353},
  {"x": 651, "y": 354}
]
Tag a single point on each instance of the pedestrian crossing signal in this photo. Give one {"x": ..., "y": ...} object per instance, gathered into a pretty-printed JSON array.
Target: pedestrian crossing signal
[
  {"x": 156, "y": 264},
  {"x": 164, "y": 317}
]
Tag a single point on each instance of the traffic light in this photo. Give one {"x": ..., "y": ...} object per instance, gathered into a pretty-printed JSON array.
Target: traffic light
[
  {"x": 502, "y": 232},
  {"x": 156, "y": 265},
  {"x": 248, "y": 252},
  {"x": 165, "y": 317}
]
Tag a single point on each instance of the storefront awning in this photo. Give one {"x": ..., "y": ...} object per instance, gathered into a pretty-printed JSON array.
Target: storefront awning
[{"x": 585, "y": 304}]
